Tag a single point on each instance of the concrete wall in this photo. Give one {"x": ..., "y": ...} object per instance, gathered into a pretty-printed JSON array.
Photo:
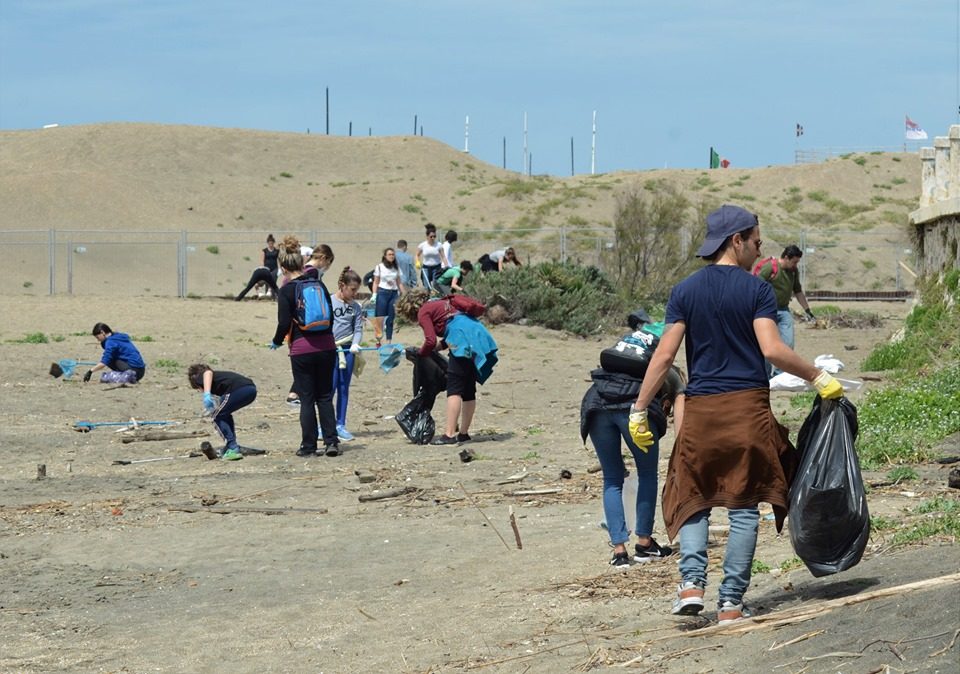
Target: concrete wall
[{"x": 937, "y": 221}]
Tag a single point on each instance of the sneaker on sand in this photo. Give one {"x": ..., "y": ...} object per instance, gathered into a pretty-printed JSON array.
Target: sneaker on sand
[
  {"x": 653, "y": 551},
  {"x": 232, "y": 454},
  {"x": 333, "y": 449},
  {"x": 344, "y": 434},
  {"x": 730, "y": 612},
  {"x": 689, "y": 599},
  {"x": 293, "y": 402},
  {"x": 463, "y": 437},
  {"x": 444, "y": 440},
  {"x": 305, "y": 452},
  {"x": 620, "y": 560}
]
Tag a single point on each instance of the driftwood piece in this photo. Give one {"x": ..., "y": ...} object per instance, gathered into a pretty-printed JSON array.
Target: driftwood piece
[
  {"x": 534, "y": 492},
  {"x": 516, "y": 530},
  {"x": 803, "y": 612},
  {"x": 224, "y": 510},
  {"x": 162, "y": 435},
  {"x": 513, "y": 478},
  {"x": 387, "y": 493}
]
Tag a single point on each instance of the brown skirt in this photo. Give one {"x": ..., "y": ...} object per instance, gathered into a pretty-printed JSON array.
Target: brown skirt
[{"x": 730, "y": 452}]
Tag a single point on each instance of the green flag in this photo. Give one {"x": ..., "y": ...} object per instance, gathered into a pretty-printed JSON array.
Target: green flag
[{"x": 714, "y": 159}]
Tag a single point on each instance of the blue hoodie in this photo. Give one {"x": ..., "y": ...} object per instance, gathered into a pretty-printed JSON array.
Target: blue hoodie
[{"x": 119, "y": 347}]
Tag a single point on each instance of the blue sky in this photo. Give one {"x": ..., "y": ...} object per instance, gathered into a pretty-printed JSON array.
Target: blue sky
[{"x": 667, "y": 79}]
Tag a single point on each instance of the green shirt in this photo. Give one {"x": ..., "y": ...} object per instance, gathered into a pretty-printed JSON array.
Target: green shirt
[
  {"x": 785, "y": 284},
  {"x": 446, "y": 278}
]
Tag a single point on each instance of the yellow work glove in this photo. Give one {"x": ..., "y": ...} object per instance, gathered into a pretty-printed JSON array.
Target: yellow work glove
[
  {"x": 639, "y": 431},
  {"x": 828, "y": 387}
]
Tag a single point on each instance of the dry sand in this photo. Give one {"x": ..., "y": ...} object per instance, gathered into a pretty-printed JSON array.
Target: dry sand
[{"x": 100, "y": 575}]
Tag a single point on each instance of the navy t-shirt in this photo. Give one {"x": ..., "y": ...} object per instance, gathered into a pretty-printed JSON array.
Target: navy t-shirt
[{"x": 718, "y": 304}]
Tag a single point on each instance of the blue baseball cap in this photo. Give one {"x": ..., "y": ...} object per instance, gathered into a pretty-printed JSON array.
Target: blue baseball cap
[{"x": 724, "y": 223}]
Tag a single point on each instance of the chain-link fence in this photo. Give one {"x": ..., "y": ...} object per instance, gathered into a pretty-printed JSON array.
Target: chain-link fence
[{"x": 219, "y": 263}]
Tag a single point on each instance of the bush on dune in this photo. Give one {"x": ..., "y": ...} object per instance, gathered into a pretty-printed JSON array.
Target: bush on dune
[{"x": 554, "y": 295}]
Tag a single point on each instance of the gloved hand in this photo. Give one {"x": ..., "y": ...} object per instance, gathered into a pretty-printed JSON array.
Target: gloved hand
[
  {"x": 208, "y": 404},
  {"x": 354, "y": 348},
  {"x": 639, "y": 429},
  {"x": 272, "y": 346},
  {"x": 810, "y": 317},
  {"x": 373, "y": 299},
  {"x": 828, "y": 387},
  {"x": 87, "y": 376}
]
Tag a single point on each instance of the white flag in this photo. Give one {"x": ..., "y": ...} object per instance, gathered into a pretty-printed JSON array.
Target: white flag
[{"x": 913, "y": 131}]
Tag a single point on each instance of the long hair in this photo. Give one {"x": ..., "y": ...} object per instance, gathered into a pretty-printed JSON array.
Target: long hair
[{"x": 389, "y": 264}]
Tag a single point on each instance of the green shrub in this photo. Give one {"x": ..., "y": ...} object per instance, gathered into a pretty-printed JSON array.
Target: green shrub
[
  {"x": 213, "y": 250},
  {"x": 167, "y": 364},
  {"x": 553, "y": 295},
  {"x": 285, "y": 174},
  {"x": 518, "y": 188},
  {"x": 902, "y": 474},
  {"x": 33, "y": 338}
]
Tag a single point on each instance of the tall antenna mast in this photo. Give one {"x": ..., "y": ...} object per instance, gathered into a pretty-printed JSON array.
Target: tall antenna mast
[
  {"x": 593, "y": 146},
  {"x": 526, "y": 159}
]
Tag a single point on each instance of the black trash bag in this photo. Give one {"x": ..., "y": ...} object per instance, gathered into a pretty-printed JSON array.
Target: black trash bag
[
  {"x": 416, "y": 422},
  {"x": 829, "y": 520}
]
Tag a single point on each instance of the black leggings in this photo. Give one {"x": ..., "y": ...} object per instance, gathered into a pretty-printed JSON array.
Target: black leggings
[
  {"x": 313, "y": 380},
  {"x": 261, "y": 275},
  {"x": 122, "y": 366}
]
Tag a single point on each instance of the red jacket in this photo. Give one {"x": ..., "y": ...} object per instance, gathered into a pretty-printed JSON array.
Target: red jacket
[{"x": 434, "y": 314}]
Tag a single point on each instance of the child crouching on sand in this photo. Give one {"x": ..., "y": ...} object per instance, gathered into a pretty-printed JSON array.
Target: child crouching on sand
[{"x": 234, "y": 390}]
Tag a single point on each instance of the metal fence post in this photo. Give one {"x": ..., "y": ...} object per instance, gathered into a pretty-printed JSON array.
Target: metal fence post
[
  {"x": 52, "y": 259},
  {"x": 69, "y": 267},
  {"x": 182, "y": 264},
  {"x": 563, "y": 244}
]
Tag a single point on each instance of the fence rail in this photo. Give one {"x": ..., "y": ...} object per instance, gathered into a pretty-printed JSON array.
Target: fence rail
[{"x": 185, "y": 263}]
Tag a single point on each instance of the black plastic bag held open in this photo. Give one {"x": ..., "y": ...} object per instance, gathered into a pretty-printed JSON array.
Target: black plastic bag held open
[
  {"x": 829, "y": 521},
  {"x": 416, "y": 422}
]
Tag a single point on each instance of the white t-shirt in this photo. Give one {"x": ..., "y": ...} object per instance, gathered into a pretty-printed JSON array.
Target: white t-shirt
[
  {"x": 429, "y": 254},
  {"x": 448, "y": 252},
  {"x": 498, "y": 255},
  {"x": 389, "y": 277}
]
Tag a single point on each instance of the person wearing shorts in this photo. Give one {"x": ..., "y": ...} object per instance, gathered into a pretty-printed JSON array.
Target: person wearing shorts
[{"x": 446, "y": 317}]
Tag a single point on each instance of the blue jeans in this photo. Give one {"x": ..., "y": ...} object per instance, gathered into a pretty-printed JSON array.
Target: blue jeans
[
  {"x": 341, "y": 386},
  {"x": 386, "y": 306},
  {"x": 785, "y": 327},
  {"x": 607, "y": 428},
  {"x": 233, "y": 401},
  {"x": 737, "y": 559}
]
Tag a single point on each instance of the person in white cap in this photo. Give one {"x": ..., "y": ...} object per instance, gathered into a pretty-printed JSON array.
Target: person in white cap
[{"x": 730, "y": 452}]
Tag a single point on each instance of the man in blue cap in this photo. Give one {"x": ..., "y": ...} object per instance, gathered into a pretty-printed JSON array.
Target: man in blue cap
[{"x": 730, "y": 451}]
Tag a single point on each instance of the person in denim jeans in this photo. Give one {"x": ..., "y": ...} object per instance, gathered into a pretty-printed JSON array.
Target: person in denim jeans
[
  {"x": 730, "y": 452},
  {"x": 605, "y": 418},
  {"x": 783, "y": 275}
]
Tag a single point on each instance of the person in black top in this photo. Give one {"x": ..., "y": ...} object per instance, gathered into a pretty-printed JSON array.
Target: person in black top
[
  {"x": 234, "y": 390},
  {"x": 266, "y": 272}
]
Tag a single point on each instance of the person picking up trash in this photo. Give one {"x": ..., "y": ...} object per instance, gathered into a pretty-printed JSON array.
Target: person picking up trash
[
  {"x": 730, "y": 451},
  {"x": 234, "y": 391},
  {"x": 451, "y": 323},
  {"x": 119, "y": 353}
]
